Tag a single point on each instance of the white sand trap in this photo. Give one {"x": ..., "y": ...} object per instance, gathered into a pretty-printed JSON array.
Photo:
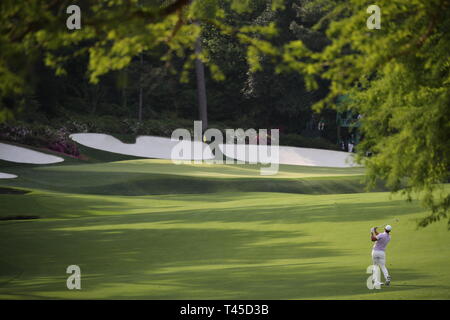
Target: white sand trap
[
  {"x": 161, "y": 148},
  {"x": 23, "y": 155},
  {"x": 145, "y": 146},
  {"x": 295, "y": 156},
  {"x": 7, "y": 176}
]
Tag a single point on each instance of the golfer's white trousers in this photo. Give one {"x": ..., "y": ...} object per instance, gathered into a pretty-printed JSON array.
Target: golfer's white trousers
[{"x": 379, "y": 259}]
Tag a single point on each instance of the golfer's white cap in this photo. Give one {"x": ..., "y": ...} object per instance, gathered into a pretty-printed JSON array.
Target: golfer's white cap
[{"x": 388, "y": 228}]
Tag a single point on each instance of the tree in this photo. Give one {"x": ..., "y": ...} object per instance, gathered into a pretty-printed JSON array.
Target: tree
[
  {"x": 30, "y": 28},
  {"x": 201, "y": 85},
  {"x": 286, "y": 93},
  {"x": 141, "y": 99},
  {"x": 398, "y": 79}
]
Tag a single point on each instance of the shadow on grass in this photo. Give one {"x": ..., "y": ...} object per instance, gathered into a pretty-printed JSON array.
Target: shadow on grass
[
  {"x": 175, "y": 261},
  {"x": 168, "y": 208},
  {"x": 280, "y": 214},
  {"x": 198, "y": 261},
  {"x": 332, "y": 212},
  {"x": 138, "y": 184},
  {"x": 171, "y": 252},
  {"x": 139, "y": 179}
]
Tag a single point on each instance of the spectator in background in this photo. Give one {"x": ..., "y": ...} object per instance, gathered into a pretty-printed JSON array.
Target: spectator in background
[
  {"x": 350, "y": 146},
  {"x": 321, "y": 125},
  {"x": 351, "y": 143}
]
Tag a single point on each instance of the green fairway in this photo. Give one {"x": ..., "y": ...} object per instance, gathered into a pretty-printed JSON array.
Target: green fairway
[{"x": 148, "y": 229}]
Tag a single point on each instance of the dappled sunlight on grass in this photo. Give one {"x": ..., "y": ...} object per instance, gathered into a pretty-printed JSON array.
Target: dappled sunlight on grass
[
  {"x": 205, "y": 170},
  {"x": 212, "y": 237}
]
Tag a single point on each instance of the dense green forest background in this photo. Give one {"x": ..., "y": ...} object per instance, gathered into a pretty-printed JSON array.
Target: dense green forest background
[
  {"x": 268, "y": 64},
  {"x": 242, "y": 99}
]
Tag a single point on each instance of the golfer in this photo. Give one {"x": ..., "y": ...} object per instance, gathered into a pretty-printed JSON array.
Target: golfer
[{"x": 379, "y": 248}]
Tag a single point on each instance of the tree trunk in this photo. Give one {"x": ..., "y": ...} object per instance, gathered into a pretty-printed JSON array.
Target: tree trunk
[
  {"x": 94, "y": 96},
  {"x": 140, "y": 89},
  {"x": 124, "y": 89},
  {"x": 201, "y": 87}
]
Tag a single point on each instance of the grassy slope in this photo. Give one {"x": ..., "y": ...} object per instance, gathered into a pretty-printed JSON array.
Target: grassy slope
[
  {"x": 144, "y": 177},
  {"x": 209, "y": 239}
]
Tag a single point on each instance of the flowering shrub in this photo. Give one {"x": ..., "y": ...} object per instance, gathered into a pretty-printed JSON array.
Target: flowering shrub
[
  {"x": 40, "y": 136},
  {"x": 14, "y": 133}
]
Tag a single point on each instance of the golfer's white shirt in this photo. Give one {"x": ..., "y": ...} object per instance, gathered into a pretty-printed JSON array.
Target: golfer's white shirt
[
  {"x": 382, "y": 241},
  {"x": 378, "y": 252}
]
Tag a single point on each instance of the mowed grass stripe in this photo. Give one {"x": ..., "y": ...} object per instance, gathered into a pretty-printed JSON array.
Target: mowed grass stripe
[
  {"x": 213, "y": 237},
  {"x": 144, "y": 177},
  {"x": 249, "y": 246}
]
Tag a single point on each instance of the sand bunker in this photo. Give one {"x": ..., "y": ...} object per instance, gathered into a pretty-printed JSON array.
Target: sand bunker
[
  {"x": 145, "y": 146},
  {"x": 295, "y": 156},
  {"x": 161, "y": 148},
  {"x": 7, "y": 176},
  {"x": 23, "y": 155}
]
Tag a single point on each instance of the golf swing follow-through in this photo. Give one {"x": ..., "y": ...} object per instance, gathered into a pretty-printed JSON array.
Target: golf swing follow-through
[{"x": 378, "y": 252}]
